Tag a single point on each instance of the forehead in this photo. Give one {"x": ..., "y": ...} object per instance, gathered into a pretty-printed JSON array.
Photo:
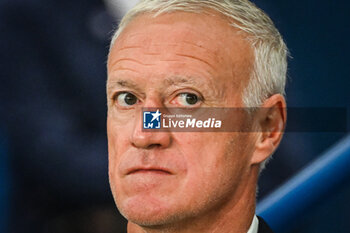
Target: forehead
[
  {"x": 210, "y": 28},
  {"x": 207, "y": 38},
  {"x": 182, "y": 24}
]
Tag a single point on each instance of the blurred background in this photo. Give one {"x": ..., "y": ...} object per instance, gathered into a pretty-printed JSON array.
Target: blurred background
[{"x": 53, "y": 146}]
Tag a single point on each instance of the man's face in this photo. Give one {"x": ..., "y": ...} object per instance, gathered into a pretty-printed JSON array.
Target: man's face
[{"x": 176, "y": 60}]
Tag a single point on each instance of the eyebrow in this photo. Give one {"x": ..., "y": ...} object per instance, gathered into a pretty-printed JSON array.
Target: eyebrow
[
  {"x": 207, "y": 88},
  {"x": 176, "y": 80},
  {"x": 173, "y": 80}
]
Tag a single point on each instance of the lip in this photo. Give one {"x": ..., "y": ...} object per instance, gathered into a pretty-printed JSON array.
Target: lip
[{"x": 155, "y": 170}]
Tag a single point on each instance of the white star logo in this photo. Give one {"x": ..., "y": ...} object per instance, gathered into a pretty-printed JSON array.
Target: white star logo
[{"x": 156, "y": 115}]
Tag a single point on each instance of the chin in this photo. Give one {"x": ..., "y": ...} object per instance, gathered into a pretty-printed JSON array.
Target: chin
[{"x": 148, "y": 211}]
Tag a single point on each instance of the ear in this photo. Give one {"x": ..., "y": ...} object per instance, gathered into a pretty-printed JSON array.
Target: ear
[{"x": 271, "y": 120}]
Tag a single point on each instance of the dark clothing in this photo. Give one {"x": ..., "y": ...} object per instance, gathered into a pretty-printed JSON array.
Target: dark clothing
[{"x": 263, "y": 227}]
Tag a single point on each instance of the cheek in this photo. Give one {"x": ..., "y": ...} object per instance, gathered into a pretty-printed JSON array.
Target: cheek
[
  {"x": 117, "y": 144},
  {"x": 112, "y": 142},
  {"x": 213, "y": 160},
  {"x": 207, "y": 158}
]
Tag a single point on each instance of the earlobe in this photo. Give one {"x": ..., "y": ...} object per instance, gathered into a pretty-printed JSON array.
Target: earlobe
[{"x": 271, "y": 120}]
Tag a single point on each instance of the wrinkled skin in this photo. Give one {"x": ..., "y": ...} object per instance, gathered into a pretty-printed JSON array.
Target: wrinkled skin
[{"x": 181, "y": 181}]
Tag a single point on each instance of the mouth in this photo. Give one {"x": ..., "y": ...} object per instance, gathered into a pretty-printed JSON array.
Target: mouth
[{"x": 160, "y": 171}]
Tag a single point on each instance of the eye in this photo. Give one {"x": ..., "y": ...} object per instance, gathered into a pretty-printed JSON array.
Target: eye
[
  {"x": 187, "y": 99},
  {"x": 126, "y": 99}
]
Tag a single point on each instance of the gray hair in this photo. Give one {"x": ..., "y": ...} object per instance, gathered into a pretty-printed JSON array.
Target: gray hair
[
  {"x": 270, "y": 66},
  {"x": 269, "y": 73}
]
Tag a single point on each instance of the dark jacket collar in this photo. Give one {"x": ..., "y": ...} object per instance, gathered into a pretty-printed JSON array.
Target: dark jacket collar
[{"x": 263, "y": 227}]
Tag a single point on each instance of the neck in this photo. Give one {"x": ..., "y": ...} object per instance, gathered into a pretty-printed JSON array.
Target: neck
[{"x": 233, "y": 216}]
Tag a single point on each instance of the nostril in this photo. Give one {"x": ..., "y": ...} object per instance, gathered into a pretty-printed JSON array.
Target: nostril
[{"x": 154, "y": 146}]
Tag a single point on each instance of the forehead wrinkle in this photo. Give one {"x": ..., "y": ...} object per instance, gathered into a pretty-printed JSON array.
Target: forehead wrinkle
[
  {"x": 112, "y": 84},
  {"x": 198, "y": 45},
  {"x": 122, "y": 49},
  {"x": 127, "y": 69},
  {"x": 129, "y": 47},
  {"x": 150, "y": 47},
  {"x": 196, "y": 58},
  {"x": 131, "y": 60}
]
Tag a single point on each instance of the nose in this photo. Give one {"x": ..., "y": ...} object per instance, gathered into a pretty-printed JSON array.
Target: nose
[{"x": 150, "y": 139}]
